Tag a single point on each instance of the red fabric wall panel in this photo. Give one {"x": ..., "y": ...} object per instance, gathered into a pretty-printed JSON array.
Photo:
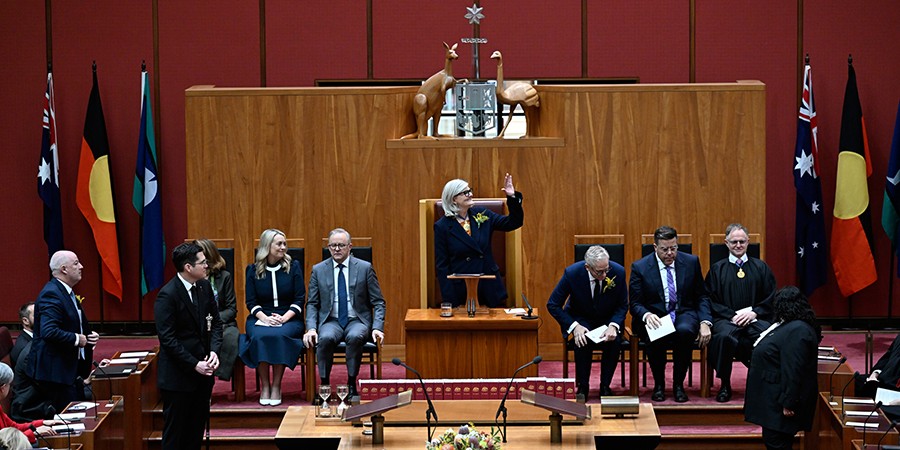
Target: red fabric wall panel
[
  {"x": 24, "y": 79},
  {"x": 649, "y": 40},
  {"x": 752, "y": 41},
  {"x": 78, "y": 40},
  {"x": 832, "y": 31},
  {"x": 302, "y": 47}
]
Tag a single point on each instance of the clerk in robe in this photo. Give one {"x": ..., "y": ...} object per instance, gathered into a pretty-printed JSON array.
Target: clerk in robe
[{"x": 740, "y": 291}]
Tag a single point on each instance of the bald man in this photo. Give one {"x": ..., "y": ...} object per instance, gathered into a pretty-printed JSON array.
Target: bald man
[{"x": 63, "y": 341}]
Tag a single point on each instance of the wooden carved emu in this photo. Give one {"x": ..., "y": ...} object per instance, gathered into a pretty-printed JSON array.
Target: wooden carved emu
[
  {"x": 516, "y": 93},
  {"x": 429, "y": 101}
]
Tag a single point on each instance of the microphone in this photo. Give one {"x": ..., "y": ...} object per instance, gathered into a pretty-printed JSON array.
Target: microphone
[
  {"x": 831, "y": 378},
  {"x": 891, "y": 427},
  {"x": 430, "y": 411},
  {"x": 852, "y": 379},
  {"x": 106, "y": 375},
  {"x": 68, "y": 432},
  {"x": 502, "y": 408},
  {"x": 866, "y": 423},
  {"x": 530, "y": 309}
]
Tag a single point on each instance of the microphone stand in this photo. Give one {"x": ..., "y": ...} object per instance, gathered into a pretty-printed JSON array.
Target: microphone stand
[
  {"x": 866, "y": 423},
  {"x": 831, "y": 378},
  {"x": 852, "y": 379},
  {"x": 530, "y": 309},
  {"x": 430, "y": 411},
  {"x": 886, "y": 447},
  {"x": 502, "y": 408},
  {"x": 106, "y": 375}
]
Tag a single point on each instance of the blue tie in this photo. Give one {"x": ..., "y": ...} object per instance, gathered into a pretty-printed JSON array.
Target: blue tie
[
  {"x": 342, "y": 298},
  {"x": 673, "y": 296}
]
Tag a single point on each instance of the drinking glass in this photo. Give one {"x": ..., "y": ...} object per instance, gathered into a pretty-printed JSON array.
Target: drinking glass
[{"x": 325, "y": 393}]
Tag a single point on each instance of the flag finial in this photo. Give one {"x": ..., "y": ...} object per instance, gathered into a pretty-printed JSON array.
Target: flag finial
[
  {"x": 850, "y": 59},
  {"x": 143, "y": 66},
  {"x": 806, "y": 59},
  {"x": 94, "y": 66}
]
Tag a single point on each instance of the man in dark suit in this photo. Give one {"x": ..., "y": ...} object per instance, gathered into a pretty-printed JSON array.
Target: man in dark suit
[
  {"x": 668, "y": 282},
  {"x": 26, "y": 316},
  {"x": 885, "y": 375},
  {"x": 595, "y": 298},
  {"x": 190, "y": 334},
  {"x": 63, "y": 342},
  {"x": 349, "y": 312},
  {"x": 740, "y": 293}
]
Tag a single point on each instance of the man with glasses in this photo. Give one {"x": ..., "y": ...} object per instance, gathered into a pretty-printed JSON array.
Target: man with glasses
[
  {"x": 669, "y": 283},
  {"x": 597, "y": 296},
  {"x": 63, "y": 342},
  {"x": 345, "y": 304},
  {"x": 740, "y": 292},
  {"x": 190, "y": 334}
]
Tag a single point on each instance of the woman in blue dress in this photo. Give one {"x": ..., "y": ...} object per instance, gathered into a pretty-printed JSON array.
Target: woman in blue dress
[{"x": 275, "y": 295}]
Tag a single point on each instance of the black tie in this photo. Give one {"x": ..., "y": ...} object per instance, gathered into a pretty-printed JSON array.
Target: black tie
[
  {"x": 597, "y": 289},
  {"x": 343, "y": 317},
  {"x": 195, "y": 297}
]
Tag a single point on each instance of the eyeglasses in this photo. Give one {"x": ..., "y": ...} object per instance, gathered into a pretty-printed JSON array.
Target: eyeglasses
[
  {"x": 671, "y": 249},
  {"x": 338, "y": 246},
  {"x": 598, "y": 271},
  {"x": 467, "y": 192},
  {"x": 205, "y": 262},
  {"x": 737, "y": 241}
]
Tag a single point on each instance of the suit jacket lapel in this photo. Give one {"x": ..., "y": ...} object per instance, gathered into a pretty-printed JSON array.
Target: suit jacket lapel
[
  {"x": 680, "y": 272},
  {"x": 656, "y": 278},
  {"x": 457, "y": 232},
  {"x": 71, "y": 309},
  {"x": 325, "y": 304}
]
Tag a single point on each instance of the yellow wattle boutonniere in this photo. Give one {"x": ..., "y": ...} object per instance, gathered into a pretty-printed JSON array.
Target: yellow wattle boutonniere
[
  {"x": 79, "y": 298},
  {"x": 480, "y": 218},
  {"x": 608, "y": 283}
]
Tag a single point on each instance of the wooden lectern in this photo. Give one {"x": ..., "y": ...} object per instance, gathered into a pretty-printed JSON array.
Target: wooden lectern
[{"x": 471, "y": 280}]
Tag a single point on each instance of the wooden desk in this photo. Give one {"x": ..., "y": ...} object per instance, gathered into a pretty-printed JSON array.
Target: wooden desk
[
  {"x": 492, "y": 344},
  {"x": 105, "y": 432},
  {"x": 830, "y": 432},
  {"x": 141, "y": 395},
  {"x": 528, "y": 428}
]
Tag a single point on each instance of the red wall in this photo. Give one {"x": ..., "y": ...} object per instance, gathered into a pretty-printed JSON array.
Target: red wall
[{"x": 220, "y": 43}]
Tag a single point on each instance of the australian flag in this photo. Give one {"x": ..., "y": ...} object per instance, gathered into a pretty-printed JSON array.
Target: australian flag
[
  {"x": 812, "y": 257},
  {"x": 48, "y": 174}
]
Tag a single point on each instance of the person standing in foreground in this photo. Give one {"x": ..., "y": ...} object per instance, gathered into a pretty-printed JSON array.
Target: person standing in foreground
[
  {"x": 63, "y": 342},
  {"x": 190, "y": 334},
  {"x": 781, "y": 383}
]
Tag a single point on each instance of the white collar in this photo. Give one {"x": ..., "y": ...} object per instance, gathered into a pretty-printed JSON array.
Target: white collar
[{"x": 733, "y": 259}]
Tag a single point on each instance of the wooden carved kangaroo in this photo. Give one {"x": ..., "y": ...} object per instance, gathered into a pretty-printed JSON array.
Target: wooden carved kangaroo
[{"x": 429, "y": 101}]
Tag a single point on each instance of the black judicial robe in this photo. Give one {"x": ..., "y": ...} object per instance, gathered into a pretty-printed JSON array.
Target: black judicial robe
[{"x": 728, "y": 293}]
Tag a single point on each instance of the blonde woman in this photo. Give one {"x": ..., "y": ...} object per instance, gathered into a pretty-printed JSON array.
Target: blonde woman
[{"x": 275, "y": 294}]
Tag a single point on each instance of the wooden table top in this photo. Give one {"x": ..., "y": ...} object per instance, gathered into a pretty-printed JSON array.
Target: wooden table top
[{"x": 485, "y": 319}]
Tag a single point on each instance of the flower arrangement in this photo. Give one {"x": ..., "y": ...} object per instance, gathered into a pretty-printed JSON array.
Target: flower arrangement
[
  {"x": 480, "y": 218},
  {"x": 467, "y": 437},
  {"x": 79, "y": 298},
  {"x": 609, "y": 283}
]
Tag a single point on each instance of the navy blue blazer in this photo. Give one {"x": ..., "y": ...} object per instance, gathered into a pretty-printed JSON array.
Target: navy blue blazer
[
  {"x": 54, "y": 355},
  {"x": 457, "y": 252},
  {"x": 645, "y": 288},
  {"x": 575, "y": 286}
]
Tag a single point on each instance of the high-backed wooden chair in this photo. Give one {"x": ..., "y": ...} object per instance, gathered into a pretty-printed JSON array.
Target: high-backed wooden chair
[
  {"x": 507, "y": 249},
  {"x": 717, "y": 252},
  {"x": 685, "y": 244},
  {"x": 615, "y": 246},
  {"x": 371, "y": 353}
]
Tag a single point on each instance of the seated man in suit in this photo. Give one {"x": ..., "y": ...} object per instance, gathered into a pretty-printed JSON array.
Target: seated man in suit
[
  {"x": 594, "y": 299},
  {"x": 343, "y": 305},
  {"x": 668, "y": 282},
  {"x": 740, "y": 293},
  {"x": 26, "y": 316},
  {"x": 885, "y": 375}
]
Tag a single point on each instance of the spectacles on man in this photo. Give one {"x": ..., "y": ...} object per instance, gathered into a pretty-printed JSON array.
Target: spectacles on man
[
  {"x": 671, "y": 249},
  {"x": 598, "y": 272},
  {"x": 338, "y": 246},
  {"x": 205, "y": 262},
  {"x": 467, "y": 192},
  {"x": 737, "y": 241}
]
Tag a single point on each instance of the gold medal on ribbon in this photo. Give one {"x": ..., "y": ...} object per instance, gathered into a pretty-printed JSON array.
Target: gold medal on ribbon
[{"x": 740, "y": 273}]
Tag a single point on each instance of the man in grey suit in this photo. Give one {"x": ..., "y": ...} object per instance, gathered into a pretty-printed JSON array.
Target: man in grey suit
[{"x": 345, "y": 304}]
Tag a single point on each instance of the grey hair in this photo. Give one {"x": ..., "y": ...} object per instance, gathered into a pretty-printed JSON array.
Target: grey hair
[
  {"x": 595, "y": 254},
  {"x": 12, "y": 438},
  {"x": 452, "y": 189},
  {"x": 340, "y": 230},
  {"x": 59, "y": 259},
  {"x": 6, "y": 374},
  {"x": 735, "y": 226},
  {"x": 262, "y": 252}
]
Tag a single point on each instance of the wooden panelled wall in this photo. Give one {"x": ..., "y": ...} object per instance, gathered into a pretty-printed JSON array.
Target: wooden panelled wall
[{"x": 635, "y": 157}]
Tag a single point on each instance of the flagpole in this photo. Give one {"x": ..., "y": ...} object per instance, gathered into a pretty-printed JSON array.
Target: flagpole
[
  {"x": 140, "y": 287},
  {"x": 891, "y": 283}
]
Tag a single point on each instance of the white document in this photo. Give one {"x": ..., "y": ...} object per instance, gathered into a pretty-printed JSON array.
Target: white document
[
  {"x": 70, "y": 417},
  {"x": 134, "y": 355},
  {"x": 260, "y": 323},
  {"x": 746, "y": 310},
  {"x": 862, "y": 424},
  {"x": 515, "y": 310},
  {"x": 124, "y": 361},
  {"x": 72, "y": 427},
  {"x": 829, "y": 358},
  {"x": 859, "y": 401},
  {"x": 597, "y": 334},
  {"x": 666, "y": 328},
  {"x": 826, "y": 349},
  {"x": 887, "y": 396},
  {"x": 858, "y": 413}
]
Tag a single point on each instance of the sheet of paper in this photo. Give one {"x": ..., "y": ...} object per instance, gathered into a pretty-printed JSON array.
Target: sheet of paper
[
  {"x": 873, "y": 424},
  {"x": 124, "y": 361},
  {"x": 746, "y": 310},
  {"x": 887, "y": 396},
  {"x": 134, "y": 355},
  {"x": 260, "y": 323},
  {"x": 597, "y": 335},
  {"x": 859, "y": 401},
  {"x": 515, "y": 310},
  {"x": 826, "y": 349},
  {"x": 72, "y": 427},
  {"x": 665, "y": 329},
  {"x": 829, "y": 358},
  {"x": 858, "y": 413},
  {"x": 69, "y": 417}
]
